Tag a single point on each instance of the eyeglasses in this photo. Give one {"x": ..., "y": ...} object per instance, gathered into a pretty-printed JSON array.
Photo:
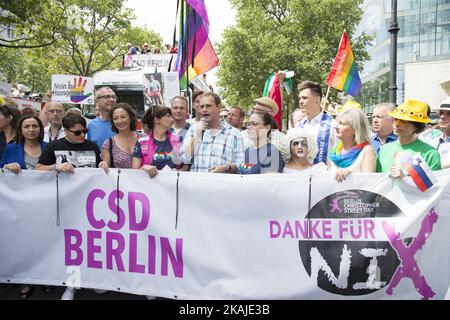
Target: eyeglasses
[
  {"x": 79, "y": 132},
  {"x": 114, "y": 97},
  {"x": 254, "y": 124}
]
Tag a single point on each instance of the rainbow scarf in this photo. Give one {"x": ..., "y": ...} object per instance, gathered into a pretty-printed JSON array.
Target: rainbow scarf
[{"x": 346, "y": 160}]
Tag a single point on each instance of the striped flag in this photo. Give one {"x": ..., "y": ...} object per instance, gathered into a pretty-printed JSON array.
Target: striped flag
[
  {"x": 196, "y": 54},
  {"x": 419, "y": 171},
  {"x": 273, "y": 90},
  {"x": 344, "y": 74}
]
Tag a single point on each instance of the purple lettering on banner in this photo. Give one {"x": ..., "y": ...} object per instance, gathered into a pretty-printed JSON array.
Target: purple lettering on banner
[
  {"x": 145, "y": 203},
  {"x": 134, "y": 266},
  {"x": 273, "y": 223},
  {"x": 287, "y": 230},
  {"x": 70, "y": 247},
  {"x": 343, "y": 227},
  {"x": 114, "y": 252},
  {"x": 97, "y": 193},
  {"x": 313, "y": 228},
  {"x": 151, "y": 255},
  {"x": 369, "y": 227},
  {"x": 302, "y": 228},
  {"x": 112, "y": 202},
  {"x": 167, "y": 252},
  {"x": 408, "y": 265},
  {"x": 92, "y": 249},
  {"x": 326, "y": 229}
]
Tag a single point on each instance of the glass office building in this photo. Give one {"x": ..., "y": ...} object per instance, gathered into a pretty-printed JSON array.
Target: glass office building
[{"x": 424, "y": 35}]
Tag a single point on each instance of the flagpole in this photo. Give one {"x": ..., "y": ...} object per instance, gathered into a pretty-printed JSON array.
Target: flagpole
[{"x": 325, "y": 101}]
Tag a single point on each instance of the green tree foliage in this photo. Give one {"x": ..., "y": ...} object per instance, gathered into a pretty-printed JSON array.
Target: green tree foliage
[
  {"x": 91, "y": 36},
  {"x": 37, "y": 23},
  {"x": 298, "y": 35}
]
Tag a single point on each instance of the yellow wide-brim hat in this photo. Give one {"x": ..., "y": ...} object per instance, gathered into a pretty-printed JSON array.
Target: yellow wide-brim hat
[{"x": 411, "y": 110}]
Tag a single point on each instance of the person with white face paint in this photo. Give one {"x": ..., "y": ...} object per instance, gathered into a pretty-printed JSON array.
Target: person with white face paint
[{"x": 299, "y": 148}]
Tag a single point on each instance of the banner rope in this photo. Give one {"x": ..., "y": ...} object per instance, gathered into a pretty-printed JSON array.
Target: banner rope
[
  {"x": 118, "y": 195},
  {"x": 308, "y": 217},
  {"x": 58, "y": 217},
  {"x": 177, "y": 194}
]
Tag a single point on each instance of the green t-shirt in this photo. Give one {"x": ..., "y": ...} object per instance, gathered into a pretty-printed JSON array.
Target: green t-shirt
[{"x": 390, "y": 154}]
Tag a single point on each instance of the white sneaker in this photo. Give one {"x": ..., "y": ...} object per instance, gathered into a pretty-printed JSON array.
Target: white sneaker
[
  {"x": 151, "y": 297},
  {"x": 100, "y": 291},
  {"x": 69, "y": 294}
]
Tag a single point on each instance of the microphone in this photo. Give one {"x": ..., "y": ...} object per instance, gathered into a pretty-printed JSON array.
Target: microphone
[{"x": 204, "y": 124}]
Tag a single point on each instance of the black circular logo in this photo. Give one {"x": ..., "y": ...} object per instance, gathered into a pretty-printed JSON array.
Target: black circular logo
[{"x": 344, "y": 252}]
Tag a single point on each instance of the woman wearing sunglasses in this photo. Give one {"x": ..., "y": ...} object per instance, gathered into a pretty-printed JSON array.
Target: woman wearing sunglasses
[{"x": 73, "y": 151}]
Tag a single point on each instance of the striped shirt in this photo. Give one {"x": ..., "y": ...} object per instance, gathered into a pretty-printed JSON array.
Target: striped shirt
[{"x": 225, "y": 147}]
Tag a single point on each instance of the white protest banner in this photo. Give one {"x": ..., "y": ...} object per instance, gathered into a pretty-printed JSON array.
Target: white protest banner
[
  {"x": 72, "y": 89},
  {"x": 160, "y": 62},
  {"x": 23, "y": 103},
  {"x": 217, "y": 236},
  {"x": 5, "y": 89}
]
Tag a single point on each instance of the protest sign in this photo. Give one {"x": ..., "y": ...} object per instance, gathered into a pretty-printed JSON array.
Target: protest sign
[{"x": 72, "y": 89}]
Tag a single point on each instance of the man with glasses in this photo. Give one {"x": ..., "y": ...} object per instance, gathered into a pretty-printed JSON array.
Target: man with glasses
[
  {"x": 100, "y": 128},
  {"x": 55, "y": 113}
]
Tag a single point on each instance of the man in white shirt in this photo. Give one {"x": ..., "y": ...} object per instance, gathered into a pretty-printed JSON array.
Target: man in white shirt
[
  {"x": 317, "y": 122},
  {"x": 54, "y": 131},
  {"x": 442, "y": 142}
]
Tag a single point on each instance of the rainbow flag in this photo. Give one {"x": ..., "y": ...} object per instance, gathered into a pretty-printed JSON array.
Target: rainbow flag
[
  {"x": 196, "y": 54},
  {"x": 344, "y": 74}
]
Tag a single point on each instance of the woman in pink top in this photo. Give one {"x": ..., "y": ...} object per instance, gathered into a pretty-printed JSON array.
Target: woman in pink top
[{"x": 159, "y": 148}]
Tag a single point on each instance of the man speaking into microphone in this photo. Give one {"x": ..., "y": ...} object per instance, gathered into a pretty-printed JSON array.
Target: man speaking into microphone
[{"x": 212, "y": 145}]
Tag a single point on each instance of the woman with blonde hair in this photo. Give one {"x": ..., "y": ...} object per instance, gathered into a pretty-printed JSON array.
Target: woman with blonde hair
[
  {"x": 299, "y": 148},
  {"x": 353, "y": 152}
]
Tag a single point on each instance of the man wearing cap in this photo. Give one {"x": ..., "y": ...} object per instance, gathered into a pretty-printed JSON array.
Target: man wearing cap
[
  {"x": 382, "y": 126},
  {"x": 265, "y": 105},
  {"x": 410, "y": 118},
  {"x": 212, "y": 145},
  {"x": 316, "y": 121},
  {"x": 442, "y": 142}
]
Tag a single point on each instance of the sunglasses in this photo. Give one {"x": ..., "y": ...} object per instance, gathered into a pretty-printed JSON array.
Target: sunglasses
[
  {"x": 79, "y": 132},
  {"x": 108, "y": 97}
]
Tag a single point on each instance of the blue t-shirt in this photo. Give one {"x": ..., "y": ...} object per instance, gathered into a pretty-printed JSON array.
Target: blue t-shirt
[
  {"x": 263, "y": 160},
  {"x": 162, "y": 156},
  {"x": 99, "y": 131}
]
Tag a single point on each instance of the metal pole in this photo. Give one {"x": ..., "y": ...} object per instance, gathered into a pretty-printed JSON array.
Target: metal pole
[{"x": 393, "y": 30}]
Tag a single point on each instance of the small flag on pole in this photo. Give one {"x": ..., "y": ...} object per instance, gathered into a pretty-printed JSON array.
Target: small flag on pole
[
  {"x": 419, "y": 171},
  {"x": 274, "y": 90},
  {"x": 344, "y": 74}
]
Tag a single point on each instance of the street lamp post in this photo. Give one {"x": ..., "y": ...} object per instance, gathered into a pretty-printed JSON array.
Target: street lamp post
[{"x": 393, "y": 30}]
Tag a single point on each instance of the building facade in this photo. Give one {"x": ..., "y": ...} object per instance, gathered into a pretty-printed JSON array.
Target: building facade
[{"x": 424, "y": 37}]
